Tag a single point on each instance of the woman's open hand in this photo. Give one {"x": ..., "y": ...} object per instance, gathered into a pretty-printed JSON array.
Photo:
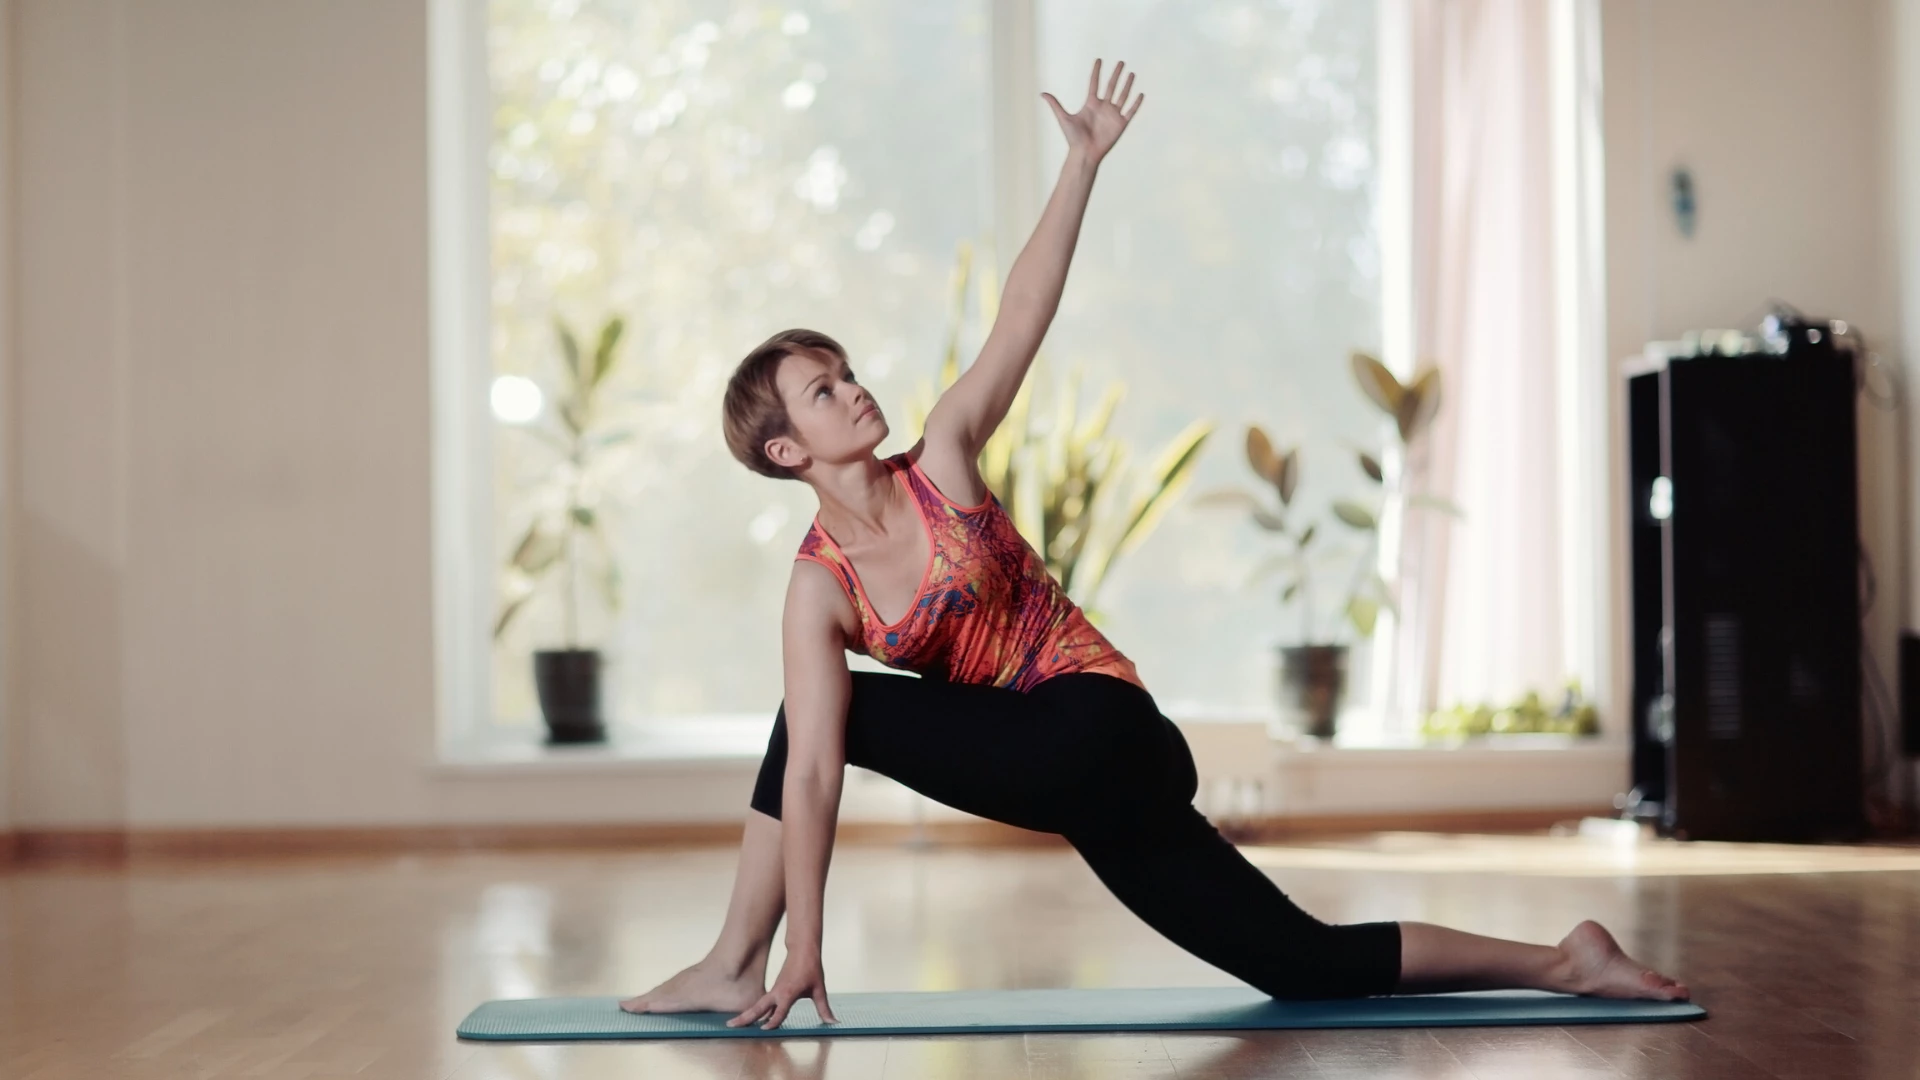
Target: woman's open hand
[
  {"x": 1097, "y": 126},
  {"x": 800, "y": 977}
]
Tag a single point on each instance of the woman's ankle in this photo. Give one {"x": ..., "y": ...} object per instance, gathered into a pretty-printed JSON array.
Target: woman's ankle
[
  {"x": 1560, "y": 974},
  {"x": 738, "y": 963}
]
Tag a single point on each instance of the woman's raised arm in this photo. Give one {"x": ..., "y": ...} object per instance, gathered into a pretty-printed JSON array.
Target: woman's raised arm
[{"x": 966, "y": 415}]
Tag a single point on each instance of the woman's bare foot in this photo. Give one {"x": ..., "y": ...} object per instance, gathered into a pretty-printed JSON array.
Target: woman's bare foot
[
  {"x": 1597, "y": 966},
  {"x": 700, "y": 988}
]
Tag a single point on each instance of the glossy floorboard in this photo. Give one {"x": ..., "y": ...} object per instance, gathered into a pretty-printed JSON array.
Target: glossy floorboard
[{"x": 333, "y": 967}]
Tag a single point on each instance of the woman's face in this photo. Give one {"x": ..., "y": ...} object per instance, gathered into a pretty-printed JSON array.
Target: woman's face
[{"x": 834, "y": 419}]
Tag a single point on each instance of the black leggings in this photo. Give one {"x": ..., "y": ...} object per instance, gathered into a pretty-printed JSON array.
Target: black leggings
[{"x": 1090, "y": 757}]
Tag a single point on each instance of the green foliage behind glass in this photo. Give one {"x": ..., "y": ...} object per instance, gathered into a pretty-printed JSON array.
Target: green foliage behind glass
[{"x": 1067, "y": 483}]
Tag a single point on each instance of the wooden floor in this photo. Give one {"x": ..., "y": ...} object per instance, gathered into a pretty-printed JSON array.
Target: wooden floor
[{"x": 333, "y": 966}]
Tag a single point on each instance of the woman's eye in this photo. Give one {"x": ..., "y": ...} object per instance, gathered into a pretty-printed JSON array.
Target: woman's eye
[{"x": 822, "y": 390}]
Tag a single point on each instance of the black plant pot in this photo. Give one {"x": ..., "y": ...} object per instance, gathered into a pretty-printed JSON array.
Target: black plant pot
[
  {"x": 1313, "y": 684},
  {"x": 569, "y": 684}
]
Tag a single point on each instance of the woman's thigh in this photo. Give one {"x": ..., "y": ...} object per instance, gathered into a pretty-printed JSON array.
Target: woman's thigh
[{"x": 1042, "y": 760}]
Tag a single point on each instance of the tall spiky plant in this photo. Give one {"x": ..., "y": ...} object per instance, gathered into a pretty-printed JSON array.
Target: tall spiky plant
[{"x": 1067, "y": 483}]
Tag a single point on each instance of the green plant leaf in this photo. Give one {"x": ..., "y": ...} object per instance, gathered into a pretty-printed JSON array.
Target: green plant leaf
[
  {"x": 507, "y": 613},
  {"x": 1435, "y": 502},
  {"x": 1377, "y": 383},
  {"x": 1224, "y": 497},
  {"x": 1291, "y": 591},
  {"x": 1167, "y": 478},
  {"x": 1289, "y": 476},
  {"x": 1372, "y": 468},
  {"x": 603, "y": 352},
  {"x": 1418, "y": 407},
  {"x": 536, "y": 551},
  {"x": 1363, "y": 612},
  {"x": 569, "y": 350},
  {"x": 1269, "y": 520},
  {"x": 1260, "y": 455},
  {"x": 606, "y": 437},
  {"x": 584, "y": 515},
  {"x": 1096, "y": 425},
  {"x": 1306, "y": 537},
  {"x": 1354, "y": 514}
]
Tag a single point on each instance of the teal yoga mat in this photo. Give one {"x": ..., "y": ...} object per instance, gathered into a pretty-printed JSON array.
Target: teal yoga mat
[{"x": 983, "y": 1012}]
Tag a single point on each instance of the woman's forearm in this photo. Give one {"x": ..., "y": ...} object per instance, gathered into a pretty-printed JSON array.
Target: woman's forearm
[
  {"x": 811, "y": 805},
  {"x": 1038, "y": 276}
]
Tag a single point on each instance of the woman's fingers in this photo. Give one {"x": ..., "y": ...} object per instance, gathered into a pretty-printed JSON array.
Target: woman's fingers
[
  {"x": 754, "y": 1012},
  {"x": 1134, "y": 108},
  {"x": 820, "y": 1006},
  {"x": 1124, "y": 90},
  {"x": 1114, "y": 80},
  {"x": 779, "y": 1015}
]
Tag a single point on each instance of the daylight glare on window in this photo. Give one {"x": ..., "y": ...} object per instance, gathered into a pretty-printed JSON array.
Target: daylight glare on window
[{"x": 711, "y": 172}]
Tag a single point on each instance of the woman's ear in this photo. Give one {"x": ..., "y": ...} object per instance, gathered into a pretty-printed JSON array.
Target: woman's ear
[{"x": 786, "y": 453}]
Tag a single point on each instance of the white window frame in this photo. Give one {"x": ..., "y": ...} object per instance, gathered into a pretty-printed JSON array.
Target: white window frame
[{"x": 459, "y": 104}]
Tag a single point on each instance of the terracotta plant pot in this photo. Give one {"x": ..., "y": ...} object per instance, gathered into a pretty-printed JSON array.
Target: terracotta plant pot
[
  {"x": 1313, "y": 684},
  {"x": 568, "y": 681}
]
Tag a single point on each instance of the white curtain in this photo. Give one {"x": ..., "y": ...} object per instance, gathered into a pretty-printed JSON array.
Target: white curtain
[{"x": 1481, "y": 595}]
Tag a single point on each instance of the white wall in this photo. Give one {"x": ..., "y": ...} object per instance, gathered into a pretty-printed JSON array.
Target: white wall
[
  {"x": 8, "y": 622},
  {"x": 1900, "y": 75},
  {"x": 216, "y": 415},
  {"x": 1778, "y": 108}
]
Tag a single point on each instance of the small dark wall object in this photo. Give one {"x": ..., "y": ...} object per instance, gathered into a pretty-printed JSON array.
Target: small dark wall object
[
  {"x": 1685, "y": 205},
  {"x": 568, "y": 681},
  {"x": 1313, "y": 683},
  {"x": 1910, "y": 693}
]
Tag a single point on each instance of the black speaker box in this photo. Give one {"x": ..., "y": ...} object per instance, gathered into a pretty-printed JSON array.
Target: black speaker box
[
  {"x": 1910, "y": 693},
  {"x": 1744, "y": 548}
]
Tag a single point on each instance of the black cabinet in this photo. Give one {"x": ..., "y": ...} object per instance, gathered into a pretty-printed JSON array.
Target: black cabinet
[{"x": 1746, "y": 635}]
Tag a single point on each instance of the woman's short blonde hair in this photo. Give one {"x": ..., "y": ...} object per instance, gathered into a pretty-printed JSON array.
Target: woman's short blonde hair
[{"x": 753, "y": 411}]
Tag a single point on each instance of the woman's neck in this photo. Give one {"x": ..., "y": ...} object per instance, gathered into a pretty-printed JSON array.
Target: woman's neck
[{"x": 855, "y": 498}]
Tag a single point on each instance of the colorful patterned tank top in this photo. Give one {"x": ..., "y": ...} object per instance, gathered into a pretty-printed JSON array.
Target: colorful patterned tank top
[{"x": 987, "y": 610}]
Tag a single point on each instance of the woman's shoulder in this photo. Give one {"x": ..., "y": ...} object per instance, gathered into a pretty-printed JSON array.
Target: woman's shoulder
[
  {"x": 817, "y": 592},
  {"x": 951, "y": 477}
]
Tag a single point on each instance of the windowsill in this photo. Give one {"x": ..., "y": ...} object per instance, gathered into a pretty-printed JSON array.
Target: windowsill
[
  {"x": 740, "y": 742},
  {"x": 709, "y": 742}
]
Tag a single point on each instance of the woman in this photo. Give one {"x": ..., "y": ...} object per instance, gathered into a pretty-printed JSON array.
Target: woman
[{"x": 1024, "y": 713}]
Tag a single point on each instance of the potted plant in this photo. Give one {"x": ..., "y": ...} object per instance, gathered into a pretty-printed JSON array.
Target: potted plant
[
  {"x": 568, "y": 679},
  {"x": 1313, "y": 670}
]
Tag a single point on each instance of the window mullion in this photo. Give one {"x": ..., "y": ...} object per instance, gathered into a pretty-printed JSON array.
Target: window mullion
[{"x": 1014, "y": 78}]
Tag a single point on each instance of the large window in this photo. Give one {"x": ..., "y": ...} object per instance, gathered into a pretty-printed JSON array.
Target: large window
[{"x": 712, "y": 172}]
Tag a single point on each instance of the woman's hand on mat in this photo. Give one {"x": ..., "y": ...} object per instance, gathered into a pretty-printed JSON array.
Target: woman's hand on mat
[
  {"x": 1097, "y": 126},
  {"x": 800, "y": 977}
]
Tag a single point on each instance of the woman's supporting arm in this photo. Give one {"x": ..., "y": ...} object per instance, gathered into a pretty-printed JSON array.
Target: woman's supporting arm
[
  {"x": 975, "y": 404},
  {"x": 819, "y": 689}
]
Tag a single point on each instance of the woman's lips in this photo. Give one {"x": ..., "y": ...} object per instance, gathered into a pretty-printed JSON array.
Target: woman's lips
[{"x": 871, "y": 410}]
